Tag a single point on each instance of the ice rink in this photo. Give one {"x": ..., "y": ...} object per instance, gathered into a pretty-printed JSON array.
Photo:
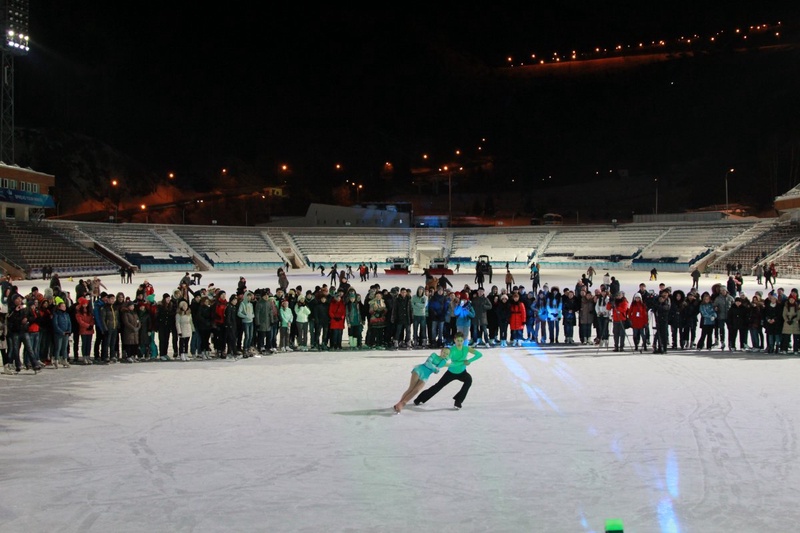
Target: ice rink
[{"x": 550, "y": 439}]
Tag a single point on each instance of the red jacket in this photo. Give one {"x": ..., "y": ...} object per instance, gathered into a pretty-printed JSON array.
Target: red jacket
[
  {"x": 218, "y": 316},
  {"x": 637, "y": 312},
  {"x": 517, "y": 320},
  {"x": 618, "y": 311},
  {"x": 336, "y": 312},
  {"x": 85, "y": 322}
]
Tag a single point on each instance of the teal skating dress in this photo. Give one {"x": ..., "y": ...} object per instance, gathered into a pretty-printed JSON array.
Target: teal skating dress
[{"x": 430, "y": 366}]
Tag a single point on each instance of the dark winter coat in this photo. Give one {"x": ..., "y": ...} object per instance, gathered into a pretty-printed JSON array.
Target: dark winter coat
[
  {"x": 401, "y": 310},
  {"x": 737, "y": 317}
]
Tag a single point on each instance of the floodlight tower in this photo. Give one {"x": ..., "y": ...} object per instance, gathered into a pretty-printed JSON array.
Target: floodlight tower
[{"x": 15, "y": 42}]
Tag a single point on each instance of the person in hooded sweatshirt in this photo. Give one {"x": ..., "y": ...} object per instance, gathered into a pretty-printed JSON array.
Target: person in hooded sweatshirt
[
  {"x": 246, "y": 313},
  {"x": 419, "y": 317},
  {"x": 480, "y": 322}
]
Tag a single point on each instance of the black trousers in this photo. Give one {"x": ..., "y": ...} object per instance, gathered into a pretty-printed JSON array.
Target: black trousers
[{"x": 448, "y": 376}]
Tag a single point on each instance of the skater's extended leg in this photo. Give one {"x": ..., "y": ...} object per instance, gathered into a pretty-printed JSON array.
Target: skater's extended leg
[
  {"x": 427, "y": 394},
  {"x": 410, "y": 394}
]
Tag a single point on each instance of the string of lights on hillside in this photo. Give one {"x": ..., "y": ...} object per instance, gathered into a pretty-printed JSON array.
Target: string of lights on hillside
[{"x": 762, "y": 30}]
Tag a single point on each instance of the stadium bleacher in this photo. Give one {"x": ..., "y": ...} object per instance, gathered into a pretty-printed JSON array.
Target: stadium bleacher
[{"x": 669, "y": 246}]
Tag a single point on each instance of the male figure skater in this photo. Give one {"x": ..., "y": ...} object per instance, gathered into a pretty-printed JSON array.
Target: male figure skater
[{"x": 456, "y": 371}]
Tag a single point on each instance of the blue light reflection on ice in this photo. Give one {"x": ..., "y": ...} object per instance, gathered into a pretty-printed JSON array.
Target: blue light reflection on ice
[
  {"x": 516, "y": 369},
  {"x": 671, "y": 472},
  {"x": 536, "y": 394},
  {"x": 532, "y": 395},
  {"x": 544, "y": 397},
  {"x": 616, "y": 449},
  {"x": 666, "y": 517},
  {"x": 668, "y": 522},
  {"x": 585, "y": 523}
]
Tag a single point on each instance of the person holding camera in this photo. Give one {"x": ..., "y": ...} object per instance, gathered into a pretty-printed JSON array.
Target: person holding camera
[{"x": 619, "y": 312}]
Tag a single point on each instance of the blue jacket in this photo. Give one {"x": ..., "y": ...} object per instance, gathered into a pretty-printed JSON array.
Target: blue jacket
[
  {"x": 464, "y": 314},
  {"x": 708, "y": 313},
  {"x": 437, "y": 307},
  {"x": 98, "y": 317},
  {"x": 61, "y": 323}
]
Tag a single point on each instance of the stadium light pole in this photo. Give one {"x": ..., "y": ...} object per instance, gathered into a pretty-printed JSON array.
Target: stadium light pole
[
  {"x": 449, "y": 196},
  {"x": 656, "y": 182},
  {"x": 15, "y": 41},
  {"x": 726, "y": 189}
]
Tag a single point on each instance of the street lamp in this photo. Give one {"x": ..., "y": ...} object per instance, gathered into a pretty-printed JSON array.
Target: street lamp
[
  {"x": 115, "y": 189},
  {"x": 656, "y": 181},
  {"x": 146, "y": 214},
  {"x": 726, "y": 189}
]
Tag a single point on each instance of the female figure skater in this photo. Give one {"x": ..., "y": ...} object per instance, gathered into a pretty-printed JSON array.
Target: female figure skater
[{"x": 420, "y": 374}]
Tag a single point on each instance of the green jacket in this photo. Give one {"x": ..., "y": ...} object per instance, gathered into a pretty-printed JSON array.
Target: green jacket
[{"x": 459, "y": 358}]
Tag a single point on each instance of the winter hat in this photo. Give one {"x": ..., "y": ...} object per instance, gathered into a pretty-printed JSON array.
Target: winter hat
[
  {"x": 82, "y": 301},
  {"x": 463, "y": 295}
]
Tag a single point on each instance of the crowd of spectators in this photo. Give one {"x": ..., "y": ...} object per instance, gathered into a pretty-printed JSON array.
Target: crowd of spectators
[{"x": 50, "y": 328}]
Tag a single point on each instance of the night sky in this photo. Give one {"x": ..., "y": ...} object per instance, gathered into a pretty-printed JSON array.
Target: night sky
[{"x": 184, "y": 87}]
